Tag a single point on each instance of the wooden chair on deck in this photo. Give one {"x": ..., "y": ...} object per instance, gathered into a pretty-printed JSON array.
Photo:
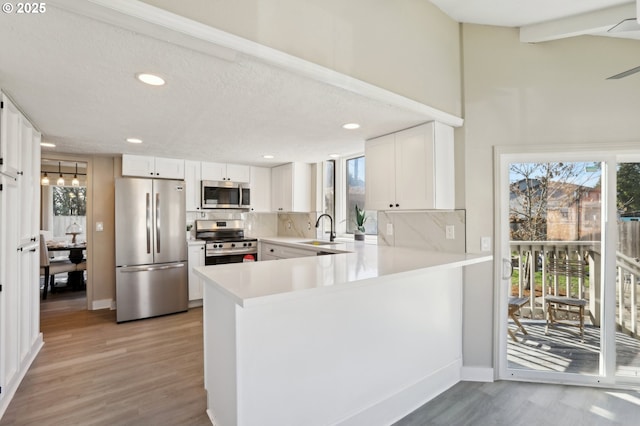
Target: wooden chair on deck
[
  {"x": 515, "y": 303},
  {"x": 568, "y": 304}
]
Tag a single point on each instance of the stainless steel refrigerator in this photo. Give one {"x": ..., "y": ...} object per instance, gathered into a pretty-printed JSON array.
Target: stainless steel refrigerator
[{"x": 151, "y": 248}]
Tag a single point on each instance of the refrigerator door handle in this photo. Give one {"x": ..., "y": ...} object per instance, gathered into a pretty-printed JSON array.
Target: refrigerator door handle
[
  {"x": 148, "y": 223},
  {"x": 157, "y": 222},
  {"x": 151, "y": 268}
]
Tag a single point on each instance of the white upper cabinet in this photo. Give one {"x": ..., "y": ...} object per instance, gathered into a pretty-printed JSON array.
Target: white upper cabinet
[
  {"x": 10, "y": 126},
  {"x": 411, "y": 169},
  {"x": 291, "y": 188},
  {"x": 192, "y": 185},
  {"x": 152, "y": 167},
  {"x": 260, "y": 189},
  {"x": 221, "y": 171}
]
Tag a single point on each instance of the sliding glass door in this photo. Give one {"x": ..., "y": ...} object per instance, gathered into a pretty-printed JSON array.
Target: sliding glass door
[{"x": 569, "y": 272}]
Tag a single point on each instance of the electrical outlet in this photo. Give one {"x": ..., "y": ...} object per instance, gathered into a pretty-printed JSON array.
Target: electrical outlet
[
  {"x": 485, "y": 243},
  {"x": 99, "y": 227},
  {"x": 389, "y": 228},
  {"x": 450, "y": 232}
]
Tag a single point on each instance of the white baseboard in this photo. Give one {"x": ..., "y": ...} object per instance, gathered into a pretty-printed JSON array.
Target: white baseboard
[
  {"x": 477, "y": 374},
  {"x": 409, "y": 399},
  {"x": 103, "y": 304},
  {"x": 11, "y": 389},
  {"x": 195, "y": 303}
]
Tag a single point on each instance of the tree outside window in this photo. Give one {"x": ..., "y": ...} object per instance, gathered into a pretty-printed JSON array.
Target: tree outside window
[
  {"x": 355, "y": 196},
  {"x": 69, "y": 201}
]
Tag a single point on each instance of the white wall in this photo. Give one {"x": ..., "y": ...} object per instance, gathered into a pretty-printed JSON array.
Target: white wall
[
  {"x": 523, "y": 94},
  {"x": 406, "y": 46}
]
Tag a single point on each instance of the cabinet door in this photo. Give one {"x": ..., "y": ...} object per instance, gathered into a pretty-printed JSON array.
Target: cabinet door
[
  {"x": 213, "y": 171},
  {"x": 300, "y": 184},
  {"x": 10, "y": 126},
  {"x": 260, "y": 189},
  {"x": 196, "y": 258},
  {"x": 169, "y": 168},
  {"x": 29, "y": 183},
  {"x": 281, "y": 188},
  {"x": 444, "y": 171},
  {"x": 9, "y": 277},
  {"x": 192, "y": 185},
  {"x": 414, "y": 164},
  {"x": 380, "y": 184},
  {"x": 138, "y": 165},
  {"x": 238, "y": 173}
]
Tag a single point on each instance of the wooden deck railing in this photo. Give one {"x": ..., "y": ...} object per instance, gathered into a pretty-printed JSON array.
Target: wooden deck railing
[
  {"x": 537, "y": 265},
  {"x": 626, "y": 292}
]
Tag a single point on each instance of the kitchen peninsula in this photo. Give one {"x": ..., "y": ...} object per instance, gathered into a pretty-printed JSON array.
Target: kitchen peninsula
[{"x": 364, "y": 336}]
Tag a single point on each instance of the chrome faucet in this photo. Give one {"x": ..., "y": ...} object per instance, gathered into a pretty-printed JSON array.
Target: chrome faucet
[{"x": 332, "y": 235}]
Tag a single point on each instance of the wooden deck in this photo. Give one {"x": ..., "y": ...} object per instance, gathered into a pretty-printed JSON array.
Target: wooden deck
[{"x": 562, "y": 350}]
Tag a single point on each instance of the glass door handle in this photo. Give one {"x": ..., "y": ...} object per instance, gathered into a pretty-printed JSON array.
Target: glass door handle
[{"x": 509, "y": 268}]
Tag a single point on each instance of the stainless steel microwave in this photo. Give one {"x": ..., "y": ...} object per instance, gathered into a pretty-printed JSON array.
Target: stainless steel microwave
[{"x": 225, "y": 195}]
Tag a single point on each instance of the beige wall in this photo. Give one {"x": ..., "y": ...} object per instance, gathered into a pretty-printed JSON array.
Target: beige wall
[
  {"x": 533, "y": 94},
  {"x": 406, "y": 46},
  {"x": 102, "y": 264}
]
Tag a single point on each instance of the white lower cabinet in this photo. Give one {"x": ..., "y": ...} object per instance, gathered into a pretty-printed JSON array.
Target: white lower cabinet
[{"x": 196, "y": 258}]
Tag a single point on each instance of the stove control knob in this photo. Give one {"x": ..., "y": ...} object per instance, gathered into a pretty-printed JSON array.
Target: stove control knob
[
  {"x": 233, "y": 244},
  {"x": 244, "y": 244},
  {"x": 249, "y": 244}
]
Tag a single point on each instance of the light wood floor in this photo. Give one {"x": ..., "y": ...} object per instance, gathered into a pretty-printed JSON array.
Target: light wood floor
[{"x": 93, "y": 371}]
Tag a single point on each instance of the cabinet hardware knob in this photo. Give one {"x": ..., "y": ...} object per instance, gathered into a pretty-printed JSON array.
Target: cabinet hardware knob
[
  {"x": 397, "y": 205},
  {"x": 390, "y": 205}
]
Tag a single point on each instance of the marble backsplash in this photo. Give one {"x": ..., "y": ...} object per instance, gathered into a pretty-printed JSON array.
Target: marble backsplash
[
  {"x": 297, "y": 225},
  {"x": 258, "y": 225},
  {"x": 423, "y": 230}
]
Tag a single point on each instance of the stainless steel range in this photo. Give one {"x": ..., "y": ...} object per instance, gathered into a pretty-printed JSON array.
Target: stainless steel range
[{"x": 225, "y": 241}]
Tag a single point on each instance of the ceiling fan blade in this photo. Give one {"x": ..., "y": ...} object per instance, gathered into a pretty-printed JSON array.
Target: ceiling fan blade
[
  {"x": 625, "y": 73},
  {"x": 625, "y": 25}
]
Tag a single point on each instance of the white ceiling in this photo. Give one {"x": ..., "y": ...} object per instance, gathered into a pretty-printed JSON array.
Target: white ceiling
[{"x": 74, "y": 77}]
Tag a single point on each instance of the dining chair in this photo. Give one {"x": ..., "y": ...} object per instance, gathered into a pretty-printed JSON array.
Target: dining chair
[{"x": 49, "y": 269}]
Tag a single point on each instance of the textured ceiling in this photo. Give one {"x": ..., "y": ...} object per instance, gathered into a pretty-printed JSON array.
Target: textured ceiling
[{"x": 74, "y": 77}]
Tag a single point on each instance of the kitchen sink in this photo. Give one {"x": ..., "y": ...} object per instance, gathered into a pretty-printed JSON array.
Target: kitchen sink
[{"x": 317, "y": 243}]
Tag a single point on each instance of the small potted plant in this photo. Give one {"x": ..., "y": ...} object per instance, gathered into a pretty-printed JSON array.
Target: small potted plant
[
  {"x": 361, "y": 218},
  {"x": 189, "y": 231}
]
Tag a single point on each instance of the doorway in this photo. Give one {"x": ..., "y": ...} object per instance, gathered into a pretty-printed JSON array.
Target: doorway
[
  {"x": 568, "y": 301},
  {"x": 63, "y": 223}
]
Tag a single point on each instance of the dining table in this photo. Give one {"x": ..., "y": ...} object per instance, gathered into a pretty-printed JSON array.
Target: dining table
[{"x": 76, "y": 255}]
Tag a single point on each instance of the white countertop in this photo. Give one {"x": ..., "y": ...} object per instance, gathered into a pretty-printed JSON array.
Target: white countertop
[{"x": 253, "y": 283}]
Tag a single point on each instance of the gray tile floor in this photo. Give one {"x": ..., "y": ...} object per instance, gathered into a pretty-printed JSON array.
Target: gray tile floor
[{"x": 519, "y": 403}]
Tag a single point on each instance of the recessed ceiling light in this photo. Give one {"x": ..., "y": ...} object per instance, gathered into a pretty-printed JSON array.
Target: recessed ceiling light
[
  {"x": 334, "y": 155},
  {"x": 134, "y": 140},
  {"x": 151, "y": 79},
  {"x": 267, "y": 156},
  {"x": 48, "y": 144},
  {"x": 351, "y": 126}
]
